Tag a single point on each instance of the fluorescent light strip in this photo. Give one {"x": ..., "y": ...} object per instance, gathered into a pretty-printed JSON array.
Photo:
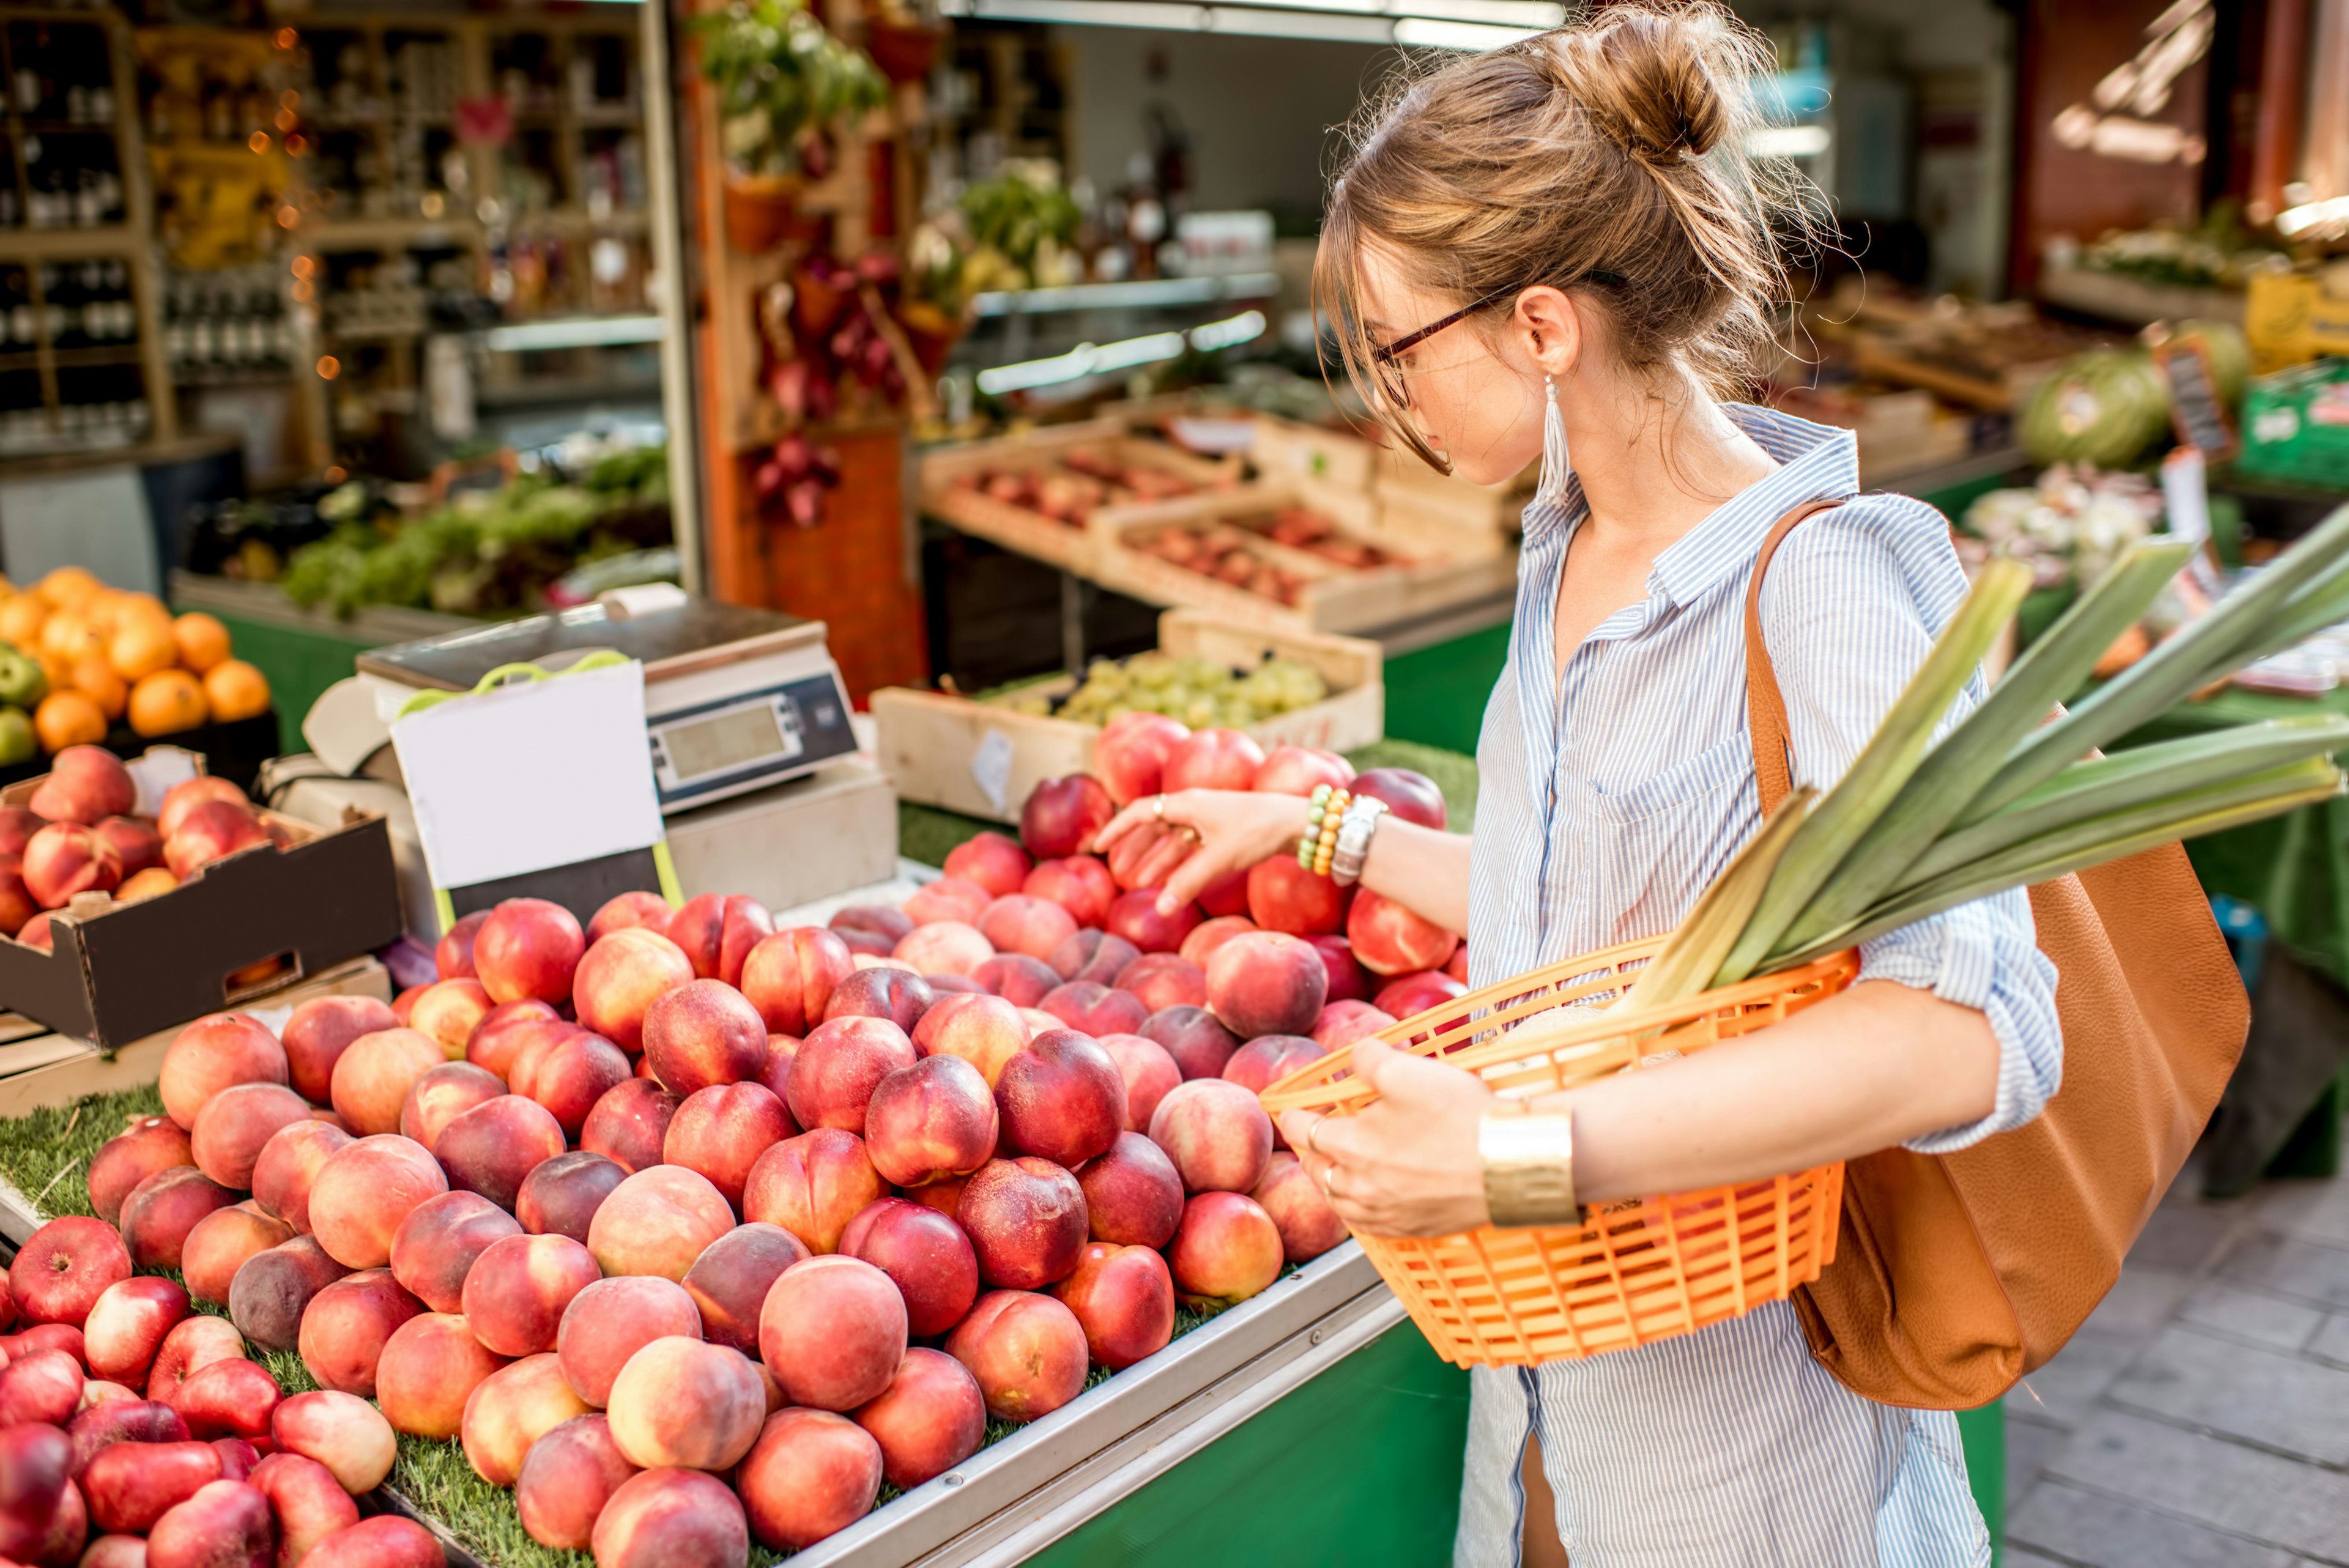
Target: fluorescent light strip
[
  {"x": 1787, "y": 141},
  {"x": 2293, "y": 222},
  {"x": 1420, "y": 33},
  {"x": 1093, "y": 359},
  {"x": 1470, "y": 25},
  {"x": 577, "y": 332}
]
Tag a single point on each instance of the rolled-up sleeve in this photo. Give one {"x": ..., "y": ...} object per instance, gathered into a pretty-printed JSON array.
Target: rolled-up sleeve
[{"x": 1850, "y": 609}]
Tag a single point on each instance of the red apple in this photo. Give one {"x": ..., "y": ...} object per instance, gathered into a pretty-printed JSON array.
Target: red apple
[
  {"x": 931, "y": 1417},
  {"x": 1123, "y": 1298},
  {"x": 925, "y": 1255},
  {"x": 1267, "y": 983},
  {"x": 232, "y": 1397},
  {"x": 45, "y": 1387},
  {"x": 625, "y": 910},
  {"x": 1080, "y": 884},
  {"x": 101, "y": 1427},
  {"x": 1027, "y": 1352},
  {"x": 126, "y": 1326},
  {"x": 1062, "y": 814},
  {"x": 308, "y": 1503},
  {"x": 528, "y": 949}
]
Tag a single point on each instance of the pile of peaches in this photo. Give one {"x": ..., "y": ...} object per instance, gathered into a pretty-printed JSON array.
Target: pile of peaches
[
  {"x": 694, "y": 1230},
  {"x": 76, "y": 835}
]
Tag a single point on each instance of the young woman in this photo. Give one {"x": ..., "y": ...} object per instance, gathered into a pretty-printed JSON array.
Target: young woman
[{"x": 1559, "y": 247}]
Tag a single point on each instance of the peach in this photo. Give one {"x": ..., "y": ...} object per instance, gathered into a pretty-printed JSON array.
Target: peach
[
  {"x": 812, "y": 1185},
  {"x": 1123, "y": 1298},
  {"x": 838, "y": 1066},
  {"x": 610, "y": 1320},
  {"x": 880, "y": 920},
  {"x": 218, "y": 1245},
  {"x": 149, "y": 1145},
  {"x": 67, "y": 1265},
  {"x": 1038, "y": 1021},
  {"x": 775, "y": 1072},
  {"x": 527, "y": 950},
  {"x": 436, "y": 1246},
  {"x": 1161, "y": 981},
  {"x": 945, "y": 947},
  {"x": 1129, "y": 755},
  {"x": 944, "y": 1196},
  {"x": 1457, "y": 966},
  {"x": 320, "y": 1029},
  {"x": 130, "y": 1550},
  {"x": 44, "y": 1386},
  {"x": 898, "y": 995},
  {"x": 1147, "y": 1072},
  {"x": 629, "y": 1124},
  {"x": 1020, "y": 923},
  {"x": 721, "y": 1131},
  {"x": 1225, "y": 1251},
  {"x": 1026, "y": 1220},
  {"x": 224, "y": 1522},
  {"x": 1060, "y": 1097},
  {"x": 1133, "y": 1195},
  {"x": 1413, "y": 797},
  {"x": 1197, "y": 1041},
  {"x": 790, "y": 977},
  {"x": 452, "y": 955},
  {"x": 126, "y": 1324},
  {"x": 1266, "y": 1059},
  {"x": 44, "y": 1336},
  {"x": 729, "y": 1283},
  {"x": 237, "y": 1456},
  {"x": 385, "y": 1541},
  {"x": 339, "y": 1430},
  {"x": 427, "y": 1371},
  {"x": 101, "y": 1427},
  {"x": 37, "y": 934},
  {"x": 931, "y": 1417},
  {"x": 287, "y": 1167},
  {"x": 1135, "y": 918},
  {"x": 932, "y": 1119},
  {"x": 33, "y": 1483},
  {"x": 17, "y": 825},
  {"x": 717, "y": 931},
  {"x": 1061, "y": 816},
  {"x": 83, "y": 784},
  {"x": 449, "y": 1011},
  {"x": 271, "y": 1290},
  {"x": 1299, "y": 770},
  {"x": 1018, "y": 979},
  {"x": 68, "y": 1529},
  {"x": 659, "y": 1519},
  {"x": 924, "y": 1253},
  {"x": 1092, "y": 1008},
  {"x": 1348, "y": 981},
  {"x": 1078, "y": 883},
  {"x": 984, "y": 1030},
  {"x": 566, "y": 1478},
  {"x": 681, "y": 1402},
  {"x": 374, "y": 1073},
  {"x": 1217, "y": 1133},
  {"x": 1207, "y": 936},
  {"x": 1027, "y": 1352},
  {"x": 1267, "y": 983},
  {"x": 812, "y": 1474},
  {"x": 626, "y": 910},
  {"x": 620, "y": 977},
  {"x": 130, "y": 1485},
  {"x": 1412, "y": 994},
  {"x": 66, "y": 859},
  {"x": 946, "y": 898},
  {"x": 519, "y": 1288},
  {"x": 212, "y": 830},
  {"x": 1282, "y": 896},
  {"x": 703, "y": 1032},
  {"x": 308, "y": 1503},
  {"x": 490, "y": 1149},
  {"x": 991, "y": 861},
  {"x": 561, "y": 1196},
  {"x": 658, "y": 1221},
  {"x": 197, "y": 1342},
  {"x": 831, "y": 1332},
  {"x": 441, "y": 1095},
  {"x": 509, "y": 1410},
  {"x": 507, "y": 1030},
  {"x": 1298, "y": 1209},
  {"x": 213, "y": 1053},
  {"x": 363, "y": 1193},
  {"x": 1343, "y": 1023},
  {"x": 1389, "y": 938},
  {"x": 157, "y": 1218},
  {"x": 232, "y": 1397},
  {"x": 97, "y": 1391}
]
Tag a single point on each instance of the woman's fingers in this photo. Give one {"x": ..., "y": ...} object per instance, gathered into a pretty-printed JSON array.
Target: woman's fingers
[
  {"x": 1190, "y": 878},
  {"x": 1299, "y": 1127},
  {"x": 1135, "y": 813}
]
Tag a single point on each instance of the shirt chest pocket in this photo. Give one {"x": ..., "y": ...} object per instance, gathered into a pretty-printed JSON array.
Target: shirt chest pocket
[{"x": 1685, "y": 793}]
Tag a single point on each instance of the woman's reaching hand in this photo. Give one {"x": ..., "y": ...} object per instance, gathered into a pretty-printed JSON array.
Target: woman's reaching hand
[
  {"x": 1233, "y": 830},
  {"x": 1409, "y": 1165}
]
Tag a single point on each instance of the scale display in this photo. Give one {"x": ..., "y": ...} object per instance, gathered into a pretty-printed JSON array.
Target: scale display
[{"x": 719, "y": 748}]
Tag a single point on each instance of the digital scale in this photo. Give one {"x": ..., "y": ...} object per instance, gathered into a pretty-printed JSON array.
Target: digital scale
[{"x": 735, "y": 699}]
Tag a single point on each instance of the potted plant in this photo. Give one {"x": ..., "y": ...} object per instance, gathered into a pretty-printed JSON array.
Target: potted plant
[{"x": 782, "y": 83}]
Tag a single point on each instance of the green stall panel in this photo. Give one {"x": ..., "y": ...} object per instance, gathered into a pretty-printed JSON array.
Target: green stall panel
[{"x": 299, "y": 663}]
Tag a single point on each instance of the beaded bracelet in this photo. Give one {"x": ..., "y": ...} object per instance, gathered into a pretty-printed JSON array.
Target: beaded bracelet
[{"x": 1324, "y": 813}]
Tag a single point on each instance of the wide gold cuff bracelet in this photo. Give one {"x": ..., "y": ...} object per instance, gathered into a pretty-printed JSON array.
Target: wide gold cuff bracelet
[{"x": 1528, "y": 1169}]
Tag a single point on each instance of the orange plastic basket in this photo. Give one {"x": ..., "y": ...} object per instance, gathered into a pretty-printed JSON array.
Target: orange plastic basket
[{"x": 1635, "y": 1271}]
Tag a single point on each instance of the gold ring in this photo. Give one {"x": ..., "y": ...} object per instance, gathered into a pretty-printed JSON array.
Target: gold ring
[
  {"x": 1158, "y": 807},
  {"x": 1313, "y": 1131},
  {"x": 1330, "y": 1179}
]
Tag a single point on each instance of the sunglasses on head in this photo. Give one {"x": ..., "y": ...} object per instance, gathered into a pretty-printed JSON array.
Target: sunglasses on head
[{"x": 1382, "y": 357}]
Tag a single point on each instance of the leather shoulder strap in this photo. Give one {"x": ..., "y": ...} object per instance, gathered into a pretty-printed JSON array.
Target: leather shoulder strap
[{"x": 1766, "y": 704}]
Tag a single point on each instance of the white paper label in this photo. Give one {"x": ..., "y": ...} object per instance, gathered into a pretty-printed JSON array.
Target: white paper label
[
  {"x": 155, "y": 773},
  {"x": 990, "y": 767}
]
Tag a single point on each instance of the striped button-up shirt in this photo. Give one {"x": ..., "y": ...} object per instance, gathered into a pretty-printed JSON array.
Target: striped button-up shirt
[{"x": 1609, "y": 797}]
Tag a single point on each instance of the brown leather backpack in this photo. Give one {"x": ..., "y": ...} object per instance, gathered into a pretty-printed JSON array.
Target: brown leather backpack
[{"x": 1955, "y": 1275}]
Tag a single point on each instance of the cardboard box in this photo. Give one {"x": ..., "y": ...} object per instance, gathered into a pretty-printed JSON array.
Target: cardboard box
[
  {"x": 120, "y": 972},
  {"x": 982, "y": 759},
  {"x": 2291, "y": 318},
  {"x": 1031, "y": 533}
]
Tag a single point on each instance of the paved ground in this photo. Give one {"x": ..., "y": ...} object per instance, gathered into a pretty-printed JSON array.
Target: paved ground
[{"x": 2200, "y": 1419}]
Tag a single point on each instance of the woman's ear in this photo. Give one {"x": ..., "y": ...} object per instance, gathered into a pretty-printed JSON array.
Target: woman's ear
[{"x": 1547, "y": 330}]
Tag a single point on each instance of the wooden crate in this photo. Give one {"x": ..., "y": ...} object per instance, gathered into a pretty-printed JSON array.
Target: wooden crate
[
  {"x": 1437, "y": 574},
  {"x": 1403, "y": 484},
  {"x": 1288, "y": 448},
  {"x": 982, "y": 758},
  {"x": 1031, "y": 533}
]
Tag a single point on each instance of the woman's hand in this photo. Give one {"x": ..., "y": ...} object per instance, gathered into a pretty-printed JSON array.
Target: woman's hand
[
  {"x": 1234, "y": 829},
  {"x": 1408, "y": 1166}
]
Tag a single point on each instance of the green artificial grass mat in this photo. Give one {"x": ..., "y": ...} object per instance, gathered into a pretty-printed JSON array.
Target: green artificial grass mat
[
  {"x": 45, "y": 1154},
  {"x": 925, "y": 833}
]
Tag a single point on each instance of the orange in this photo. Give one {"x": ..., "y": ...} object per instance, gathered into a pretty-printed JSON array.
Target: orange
[
  {"x": 95, "y": 679},
  {"x": 20, "y": 621},
  {"x": 203, "y": 641},
  {"x": 145, "y": 884},
  {"x": 142, "y": 646},
  {"x": 70, "y": 587},
  {"x": 166, "y": 702},
  {"x": 67, "y": 636},
  {"x": 130, "y": 609},
  {"x": 67, "y": 719},
  {"x": 235, "y": 690},
  {"x": 56, "y": 673}
]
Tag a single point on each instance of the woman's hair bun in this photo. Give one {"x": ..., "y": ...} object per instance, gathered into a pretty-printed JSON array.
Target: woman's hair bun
[{"x": 1651, "y": 77}]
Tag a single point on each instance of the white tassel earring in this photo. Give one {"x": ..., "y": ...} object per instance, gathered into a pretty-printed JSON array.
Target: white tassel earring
[{"x": 1557, "y": 464}]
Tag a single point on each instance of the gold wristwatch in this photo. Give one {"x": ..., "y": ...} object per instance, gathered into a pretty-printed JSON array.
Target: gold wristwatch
[{"x": 1528, "y": 1157}]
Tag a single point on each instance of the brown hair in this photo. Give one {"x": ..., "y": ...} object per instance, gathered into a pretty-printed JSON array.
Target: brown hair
[{"x": 1615, "y": 143}]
